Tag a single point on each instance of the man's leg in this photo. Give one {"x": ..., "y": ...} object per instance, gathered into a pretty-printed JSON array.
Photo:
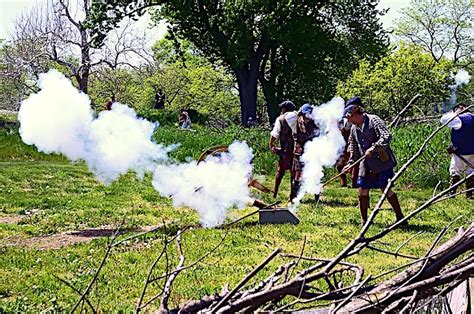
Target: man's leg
[
  {"x": 364, "y": 202},
  {"x": 469, "y": 171},
  {"x": 343, "y": 176},
  {"x": 354, "y": 176},
  {"x": 393, "y": 200},
  {"x": 456, "y": 166},
  {"x": 278, "y": 177}
]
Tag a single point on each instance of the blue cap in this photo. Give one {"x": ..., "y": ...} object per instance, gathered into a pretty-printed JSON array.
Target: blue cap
[
  {"x": 306, "y": 109},
  {"x": 349, "y": 109},
  {"x": 354, "y": 101}
]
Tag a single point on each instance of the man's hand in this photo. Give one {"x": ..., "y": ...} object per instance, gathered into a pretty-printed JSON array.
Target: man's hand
[
  {"x": 370, "y": 151},
  {"x": 346, "y": 168},
  {"x": 275, "y": 149},
  {"x": 452, "y": 150}
]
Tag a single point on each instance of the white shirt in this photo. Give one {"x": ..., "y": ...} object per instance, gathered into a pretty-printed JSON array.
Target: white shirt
[
  {"x": 291, "y": 118},
  {"x": 455, "y": 124}
]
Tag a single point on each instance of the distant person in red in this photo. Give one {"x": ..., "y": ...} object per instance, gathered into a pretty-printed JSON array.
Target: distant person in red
[
  {"x": 110, "y": 102},
  {"x": 160, "y": 98}
]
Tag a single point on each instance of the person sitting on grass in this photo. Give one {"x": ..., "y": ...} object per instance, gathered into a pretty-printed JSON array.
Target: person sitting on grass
[{"x": 184, "y": 120}]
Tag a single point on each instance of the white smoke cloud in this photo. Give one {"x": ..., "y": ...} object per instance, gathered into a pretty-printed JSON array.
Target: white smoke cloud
[
  {"x": 55, "y": 119},
  {"x": 59, "y": 119},
  {"x": 461, "y": 78},
  {"x": 211, "y": 187},
  {"x": 324, "y": 150}
]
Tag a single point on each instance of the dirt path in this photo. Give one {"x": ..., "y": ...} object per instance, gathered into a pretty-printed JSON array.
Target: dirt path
[{"x": 59, "y": 240}]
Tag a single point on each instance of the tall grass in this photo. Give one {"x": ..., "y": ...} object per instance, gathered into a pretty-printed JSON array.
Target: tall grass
[{"x": 426, "y": 171}]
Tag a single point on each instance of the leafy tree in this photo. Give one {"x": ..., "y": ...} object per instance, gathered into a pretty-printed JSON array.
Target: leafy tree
[
  {"x": 244, "y": 35},
  {"x": 444, "y": 28},
  {"x": 388, "y": 86}
]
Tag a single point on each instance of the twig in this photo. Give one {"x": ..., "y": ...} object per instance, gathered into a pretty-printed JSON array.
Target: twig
[
  {"x": 75, "y": 290},
  {"x": 172, "y": 277},
  {"x": 406, "y": 241},
  {"x": 299, "y": 258},
  {"x": 344, "y": 302},
  {"x": 147, "y": 282},
  {"x": 102, "y": 263},
  {"x": 163, "y": 225},
  {"x": 247, "y": 278},
  {"x": 396, "y": 254}
]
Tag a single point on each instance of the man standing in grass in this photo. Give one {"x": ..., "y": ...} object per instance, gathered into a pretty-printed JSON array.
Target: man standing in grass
[
  {"x": 285, "y": 126},
  {"x": 306, "y": 130},
  {"x": 462, "y": 146},
  {"x": 370, "y": 137}
]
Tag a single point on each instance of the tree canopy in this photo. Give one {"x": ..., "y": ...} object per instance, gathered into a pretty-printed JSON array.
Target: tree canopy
[
  {"x": 296, "y": 49},
  {"x": 392, "y": 82}
]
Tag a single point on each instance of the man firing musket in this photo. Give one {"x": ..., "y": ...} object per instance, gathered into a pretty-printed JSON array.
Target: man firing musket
[
  {"x": 285, "y": 126},
  {"x": 462, "y": 146},
  {"x": 370, "y": 137}
]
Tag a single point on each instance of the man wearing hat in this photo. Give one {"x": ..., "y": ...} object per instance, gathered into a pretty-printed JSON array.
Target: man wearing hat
[
  {"x": 462, "y": 146},
  {"x": 306, "y": 130},
  {"x": 370, "y": 137},
  {"x": 285, "y": 126}
]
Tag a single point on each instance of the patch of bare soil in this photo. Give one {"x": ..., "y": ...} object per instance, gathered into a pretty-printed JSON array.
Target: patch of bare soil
[
  {"x": 59, "y": 240},
  {"x": 11, "y": 219}
]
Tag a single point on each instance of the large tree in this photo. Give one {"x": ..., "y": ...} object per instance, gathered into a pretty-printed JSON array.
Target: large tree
[
  {"x": 249, "y": 37},
  {"x": 57, "y": 32},
  {"x": 443, "y": 28}
]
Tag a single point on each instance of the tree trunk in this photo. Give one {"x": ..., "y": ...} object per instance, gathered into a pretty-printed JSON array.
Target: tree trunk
[
  {"x": 269, "y": 86},
  {"x": 247, "y": 83},
  {"x": 85, "y": 61}
]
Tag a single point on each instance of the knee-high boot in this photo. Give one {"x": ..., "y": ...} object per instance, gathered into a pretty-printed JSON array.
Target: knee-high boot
[
  {"x": 295, "y": 187},
  {"x": 364, "y": 201},
  {"x": 278, "y": 179},
  {"x": 343, "y": 176},
  {"x": 393, "y": 200},
  {"x": 454, "y": 179}
]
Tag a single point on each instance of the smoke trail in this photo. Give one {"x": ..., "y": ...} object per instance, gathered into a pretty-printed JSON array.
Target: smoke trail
[
  {"x": 59, "y": 119},
  {"x": 212, "y": 186},
  {"x": 461, "y": 78},
  {"x": 324, "y": 150}
]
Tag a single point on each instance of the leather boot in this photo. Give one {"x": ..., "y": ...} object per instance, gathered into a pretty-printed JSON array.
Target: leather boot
[
  {"x": 364, "y": 201},
  {"x": 454, "y": 179},
  {"x": 295, "y": 187},
  {"x": 277, "y": 185},
  {"x": 393, "y": 200},
  {"x": 354, "y": 176},
  {"x": 469, "y": 185},
  {"x": 343, "y": 176}
]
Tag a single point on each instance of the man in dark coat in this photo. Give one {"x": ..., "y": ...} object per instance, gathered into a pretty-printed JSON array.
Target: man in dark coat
[
  {"x": 285, "y": 126},
  {"x": 370, "y": 137},
  {"x": 160, "y": 98},
  {"x": 462, "y": 146}
]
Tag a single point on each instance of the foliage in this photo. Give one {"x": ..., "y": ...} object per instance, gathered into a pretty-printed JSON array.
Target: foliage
[
  {"x": 387, "y": 87},
  {"x": 51, "y": 196},
  {"x": 443, "y": 28},
  {"x": 261, "y": 40}
]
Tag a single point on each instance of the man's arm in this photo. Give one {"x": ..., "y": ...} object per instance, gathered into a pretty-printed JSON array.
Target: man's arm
[{"x": 382, "y": 133}]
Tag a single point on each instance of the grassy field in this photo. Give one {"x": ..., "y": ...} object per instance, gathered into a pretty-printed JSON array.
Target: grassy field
[{"x": 44, "y": 196}]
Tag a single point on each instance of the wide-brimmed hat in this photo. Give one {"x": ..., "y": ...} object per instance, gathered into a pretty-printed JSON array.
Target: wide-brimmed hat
[{"x": 287, "y": 105}]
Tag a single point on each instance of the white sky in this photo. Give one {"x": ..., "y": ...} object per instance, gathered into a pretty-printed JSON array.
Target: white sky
[{"x": 11, "y": 9}]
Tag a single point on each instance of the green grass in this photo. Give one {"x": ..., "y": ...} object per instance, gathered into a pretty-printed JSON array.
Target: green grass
[{"x": 54, "y": 195}]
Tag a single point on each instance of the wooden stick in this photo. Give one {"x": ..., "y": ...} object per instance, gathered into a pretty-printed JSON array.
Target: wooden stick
[
  {"x": 340, "y": 174},
  {"x": 247, "y": 278}
]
